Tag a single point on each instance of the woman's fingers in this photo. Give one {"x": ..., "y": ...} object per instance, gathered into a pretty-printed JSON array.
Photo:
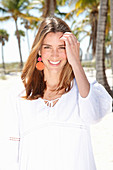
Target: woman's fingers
[
  {"x": 72, "y": 40},
  {"x": 72, "y": 46}
]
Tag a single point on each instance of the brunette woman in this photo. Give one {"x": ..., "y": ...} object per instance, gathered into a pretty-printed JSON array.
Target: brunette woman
[{"x": 49, "y": 119}]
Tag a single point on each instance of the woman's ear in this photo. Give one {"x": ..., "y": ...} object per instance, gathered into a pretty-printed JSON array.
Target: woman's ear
[{"x": 39, "y": 53}]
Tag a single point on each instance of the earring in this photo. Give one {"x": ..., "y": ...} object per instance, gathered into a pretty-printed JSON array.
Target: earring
[{"x": 40, "y": 64}]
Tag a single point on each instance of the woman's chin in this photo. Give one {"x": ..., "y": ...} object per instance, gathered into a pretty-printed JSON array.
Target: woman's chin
[{"x": 52, "y": 69}]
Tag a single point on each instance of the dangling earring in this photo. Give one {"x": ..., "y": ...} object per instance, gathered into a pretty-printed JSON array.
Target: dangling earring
[{"x": 40, "y": 64}]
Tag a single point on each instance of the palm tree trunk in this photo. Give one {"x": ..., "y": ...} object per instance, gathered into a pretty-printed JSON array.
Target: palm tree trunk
[
  {"x": 49, "y": 9},
  {"x": 52, "y": 7},
  {"x": 100, "y": 46},
  {"x": 27, "y": 27},
  {"x": 19, "y": 45},
  {"x": 28, "y": 39},
  {"x": 3, "y": 63},
  {"x": 111, "y": 11}
]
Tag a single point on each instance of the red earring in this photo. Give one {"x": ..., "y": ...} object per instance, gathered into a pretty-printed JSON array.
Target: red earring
[{"x": 40, "y": 64}]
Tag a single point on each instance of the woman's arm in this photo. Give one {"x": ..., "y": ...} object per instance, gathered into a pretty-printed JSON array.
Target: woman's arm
[
  {"x": 94, "y": 101},
  {"x": 72, "y": 51}
]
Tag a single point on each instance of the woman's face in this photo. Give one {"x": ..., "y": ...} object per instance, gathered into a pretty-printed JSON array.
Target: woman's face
[{"x": 53, "y": 52}]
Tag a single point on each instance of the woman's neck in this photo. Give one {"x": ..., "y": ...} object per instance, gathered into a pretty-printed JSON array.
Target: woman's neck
[{"x": 52, "y": 80}]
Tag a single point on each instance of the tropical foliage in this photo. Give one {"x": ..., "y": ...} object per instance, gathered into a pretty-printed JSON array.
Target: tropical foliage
[
  {"x": 15, "y": 9},
  {"x": 88, "y": 11},
  {"x": 87, "y": 25},
  {"x": 4, "y": 36}
]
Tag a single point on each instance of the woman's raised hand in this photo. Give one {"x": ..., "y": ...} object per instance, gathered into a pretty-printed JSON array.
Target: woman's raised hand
[
  {"x": 72, "y": 47},
  {"x": 72, "y": 51}
]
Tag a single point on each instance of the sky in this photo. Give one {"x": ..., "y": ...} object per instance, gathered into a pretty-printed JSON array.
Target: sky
[{"x": 11, "y": 51}]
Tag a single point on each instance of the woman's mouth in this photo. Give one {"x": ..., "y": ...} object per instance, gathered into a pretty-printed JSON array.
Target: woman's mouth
[{"x": 54, "y": 62}]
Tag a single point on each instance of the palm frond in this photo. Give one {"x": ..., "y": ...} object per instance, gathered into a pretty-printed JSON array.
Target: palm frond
[
  {"x": 79, "y": 12},
  {"x": 21, "y": 33},
  {"x": 69, "y": 14},
  {"x": 3, "y": 10},
  {"x": 3, "y": 35},
  {"x": 5, "y": 18},
  {"x": 29, "y": 18}
]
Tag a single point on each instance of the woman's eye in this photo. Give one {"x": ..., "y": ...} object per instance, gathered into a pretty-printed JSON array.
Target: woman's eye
[
  {"x": 46, "y": 47},
  {"x": 62, "y": 48}
]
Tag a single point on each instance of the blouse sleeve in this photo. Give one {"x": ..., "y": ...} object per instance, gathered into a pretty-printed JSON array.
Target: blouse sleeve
[
  {"x": 96, "y": 105},
  {"x": 9, "y": 133}
]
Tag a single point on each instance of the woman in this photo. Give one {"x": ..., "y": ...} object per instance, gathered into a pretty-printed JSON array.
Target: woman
[{"x": 49, "y": 122}]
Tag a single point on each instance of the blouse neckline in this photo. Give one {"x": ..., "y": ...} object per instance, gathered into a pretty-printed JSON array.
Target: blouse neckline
[{"x": 59, "y": 98}]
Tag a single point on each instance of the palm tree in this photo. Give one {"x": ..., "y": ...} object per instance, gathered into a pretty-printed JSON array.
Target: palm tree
[
  {"x": 90, "y": 10},
  {"x": 4, "y": 36},
  {"x": 111, "y": 11},
  {"x": 100, "y": 46},
  {"x": 20, "y": 33},
  {"x": 27, "y": 26},
  {"x": 14, "y": 9},
  {"x": 49, "y": 8}
]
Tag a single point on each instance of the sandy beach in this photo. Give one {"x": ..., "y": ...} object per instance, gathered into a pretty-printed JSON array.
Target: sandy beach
[{"x": 101, "y": 133}]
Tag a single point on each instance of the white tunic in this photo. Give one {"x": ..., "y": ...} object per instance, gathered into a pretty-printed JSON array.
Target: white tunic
[{"x": 53, "y": 138}]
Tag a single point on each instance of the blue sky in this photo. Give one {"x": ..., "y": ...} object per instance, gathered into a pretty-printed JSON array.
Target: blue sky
[{"x": 11, "y": 52}]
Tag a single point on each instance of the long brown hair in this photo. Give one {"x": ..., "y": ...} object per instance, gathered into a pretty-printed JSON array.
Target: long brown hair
[{"x": 32, "y": 78}]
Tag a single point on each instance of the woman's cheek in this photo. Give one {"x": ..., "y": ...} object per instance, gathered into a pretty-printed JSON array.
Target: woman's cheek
[
  {"x": 64, "y": 56},
  {"x": 45, "y": 54}
]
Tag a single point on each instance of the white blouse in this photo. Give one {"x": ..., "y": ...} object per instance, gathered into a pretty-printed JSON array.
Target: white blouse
[{"x": 39, "y": 137}]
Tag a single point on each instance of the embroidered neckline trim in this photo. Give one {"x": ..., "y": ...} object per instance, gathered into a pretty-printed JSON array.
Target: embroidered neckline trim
[{"x": 50, "y": 103}]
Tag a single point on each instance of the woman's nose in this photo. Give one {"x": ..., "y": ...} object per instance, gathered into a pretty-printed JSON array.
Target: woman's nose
[{"x": 55, "y": 53}]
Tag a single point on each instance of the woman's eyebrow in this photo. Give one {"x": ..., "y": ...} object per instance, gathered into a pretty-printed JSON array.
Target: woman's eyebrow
[
  {"x": 51, "y": 45},
  {"x": 62, "y": 45},
  {"x": 46, "y": 44}
]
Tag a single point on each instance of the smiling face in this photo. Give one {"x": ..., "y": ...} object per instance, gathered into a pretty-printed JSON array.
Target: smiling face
[{"x": 53, "y": 52}]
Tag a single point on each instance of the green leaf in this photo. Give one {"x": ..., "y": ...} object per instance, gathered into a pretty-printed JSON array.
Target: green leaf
[{"x": 5, "y": 18}]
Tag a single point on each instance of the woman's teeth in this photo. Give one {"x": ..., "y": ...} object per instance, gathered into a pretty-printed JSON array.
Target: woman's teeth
[{"x": 53, "y": 62}]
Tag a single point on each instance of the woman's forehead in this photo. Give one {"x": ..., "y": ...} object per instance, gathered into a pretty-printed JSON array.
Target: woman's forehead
[{"x": 51, "y": 37}]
